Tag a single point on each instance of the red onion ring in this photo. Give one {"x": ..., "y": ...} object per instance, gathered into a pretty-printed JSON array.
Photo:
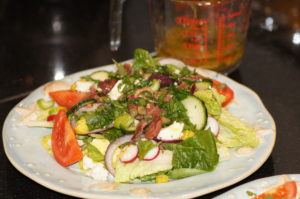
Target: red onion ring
[
  {"x": 167, "y": 141},
  {"x": 108, "y": 159}
]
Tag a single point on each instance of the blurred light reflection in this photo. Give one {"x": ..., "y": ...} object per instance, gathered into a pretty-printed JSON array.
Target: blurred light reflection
[
  {"x": 56, "y": 25},
  {"x": 59, "y": 74},
  {"x": 296, "y": 38}
]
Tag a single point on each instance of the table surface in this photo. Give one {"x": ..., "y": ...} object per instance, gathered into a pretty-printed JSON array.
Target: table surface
[{"x": 37, "y": 39}]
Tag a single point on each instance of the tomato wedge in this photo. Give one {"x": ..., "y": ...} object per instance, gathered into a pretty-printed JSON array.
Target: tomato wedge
[
  {"x": 69, "y": 98},
  {"x": 65, "y": 147},
  {"x": 224, "y": 90},
  {"x": 287, "y": 191}
]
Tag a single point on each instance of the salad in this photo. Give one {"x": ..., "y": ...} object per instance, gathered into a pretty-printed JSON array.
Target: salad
[
  {"x": 151, "y": 120},
  {"x": 285, "y": 189}
]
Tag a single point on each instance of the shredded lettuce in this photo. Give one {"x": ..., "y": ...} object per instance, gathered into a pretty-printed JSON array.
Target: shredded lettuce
[
  {"x": 234, "y": 133},
  {"x": 138, "y": 168},
  {"x": 93, "y": 153}
]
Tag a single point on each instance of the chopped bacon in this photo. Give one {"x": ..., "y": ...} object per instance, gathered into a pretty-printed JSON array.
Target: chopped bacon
[
  {"x": 139, "y": 129},
  {"x": 183, "y": 85},
  {"x": 133, "y": 109},
  {"x": 139, "y": 91},
  {"x": 168, "y": 98},
  {"x": 152, "y": 110},
  {"x": 107, "y": 85},
  {"x": 128, "y": 69},
  {"x": 154, "y": 128}
]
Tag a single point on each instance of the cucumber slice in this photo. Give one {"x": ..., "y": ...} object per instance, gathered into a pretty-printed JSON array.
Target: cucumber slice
[
  {"x": 80, "y": 104},
  {"x": 100, "y": 75},
  {"x": 196, "y": 111}
]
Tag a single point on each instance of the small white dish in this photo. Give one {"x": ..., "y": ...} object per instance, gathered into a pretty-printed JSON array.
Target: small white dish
[{"x": 258, "y": 186}]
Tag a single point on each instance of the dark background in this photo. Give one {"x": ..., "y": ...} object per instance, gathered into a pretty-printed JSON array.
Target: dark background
[{"x": 37, "y": 37}]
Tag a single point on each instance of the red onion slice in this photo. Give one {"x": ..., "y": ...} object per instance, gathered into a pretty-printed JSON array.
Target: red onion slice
[
  {"x": 168, "y": 141},
  {"x": 98, "y": 130},
  {"x": 87, "y": 108},
  {"x": 111, "y": 149}
]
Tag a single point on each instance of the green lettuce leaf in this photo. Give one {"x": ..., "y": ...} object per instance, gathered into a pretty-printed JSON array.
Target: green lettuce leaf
[
  {"x": 143, "y": 60},
  {"x": 93, "y": 153},
  {"x": 183, "y": 173},
  {"x": 197, "y": 152},
  {"x": 235, "y": 133}
]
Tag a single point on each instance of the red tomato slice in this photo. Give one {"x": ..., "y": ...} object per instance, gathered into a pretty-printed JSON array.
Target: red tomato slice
[
  {"x": 69, "y": 98},
  {"x": 287, "y": 191},
  {"x": 65, "y": 147},
  {"x": 224, "y": 90}
]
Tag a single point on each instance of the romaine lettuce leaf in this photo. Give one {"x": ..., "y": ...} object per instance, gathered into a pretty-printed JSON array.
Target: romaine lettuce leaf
[
  {"x": 197, "y": 152},
  {"x": 138, "y": 168},
  {"x": 92, "y": 152},
  {"x": 235, "y": 133},
  {"x": 183, "y": 173}
]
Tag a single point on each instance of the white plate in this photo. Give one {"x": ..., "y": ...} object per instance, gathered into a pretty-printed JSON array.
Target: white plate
[
  {"x": 257, "y": 186},
  {"x": 23, "y": 148}
]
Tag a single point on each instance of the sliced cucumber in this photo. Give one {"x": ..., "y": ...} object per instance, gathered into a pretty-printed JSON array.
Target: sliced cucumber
[
  {"x": 100, "y": 75},
  {"x": 196, "y": 111},
  {"x": 80, "y": 104}
]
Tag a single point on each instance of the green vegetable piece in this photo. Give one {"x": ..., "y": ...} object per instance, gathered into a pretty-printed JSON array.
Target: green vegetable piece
[
  {"x": 112, "y": 134},
  {"x": 204, "y": 84},
  {"x": 173, "y": 69},
  {"x": 124, "y": 121},
  {"x": 250, "y": 193},
  {"x": 138, "y": 168},
  {"x": 212, "y": 100},
  {"x": 183, "y": 173},
  {"x": 44, "y": 104},
  {"x": 152, "y": 177},
  {"x": 235, "y": 133},
  {"x": 155, "y": 85},
  {"x": 81, "y": 104},
  {"x": 93, "y": 153},
  {"x": 54, "y": 110},
  {"x": 121, "y": 70},
  {"x": 144, "y": 146},
  {"x": 197, "y": 152},
  {"x": 143, "y": 60},
  {"x": 100, "y": 75}
]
